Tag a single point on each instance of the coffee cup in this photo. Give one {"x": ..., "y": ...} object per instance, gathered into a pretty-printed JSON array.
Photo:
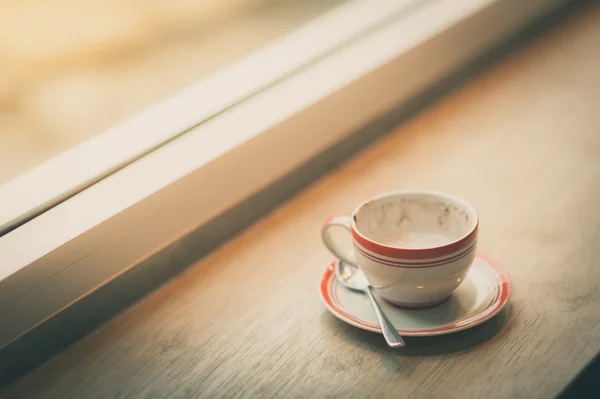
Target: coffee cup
[{"x": 414, "y": 247}]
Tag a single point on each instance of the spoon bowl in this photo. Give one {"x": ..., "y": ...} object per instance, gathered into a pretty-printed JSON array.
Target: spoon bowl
[{"x": 351, "y": 276}]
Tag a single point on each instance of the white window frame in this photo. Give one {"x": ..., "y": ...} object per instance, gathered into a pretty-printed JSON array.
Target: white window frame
[
  {"x": 65, "y": 175},
  {"x": 69, "y": 235}
]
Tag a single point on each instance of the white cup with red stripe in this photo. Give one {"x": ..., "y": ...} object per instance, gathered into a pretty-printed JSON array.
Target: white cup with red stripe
[{"x": 415, "y": 247}]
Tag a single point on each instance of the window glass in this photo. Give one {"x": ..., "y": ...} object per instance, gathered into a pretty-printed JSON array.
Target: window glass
[{"x": 70, "y": 69}]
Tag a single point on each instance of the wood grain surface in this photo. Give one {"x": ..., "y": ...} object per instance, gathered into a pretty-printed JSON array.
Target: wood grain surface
[{"x": 521, "y": 142}]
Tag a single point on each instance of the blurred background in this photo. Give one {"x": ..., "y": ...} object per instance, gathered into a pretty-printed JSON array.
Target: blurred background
[{"x": 70, "y": 69}]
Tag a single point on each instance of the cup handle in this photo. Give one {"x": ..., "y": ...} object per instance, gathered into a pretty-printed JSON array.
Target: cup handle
[{"x": 343, "y": 221}]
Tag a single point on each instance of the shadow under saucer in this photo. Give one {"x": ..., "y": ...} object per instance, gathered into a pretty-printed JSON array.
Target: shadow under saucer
[{"x": 422, "y": 346}]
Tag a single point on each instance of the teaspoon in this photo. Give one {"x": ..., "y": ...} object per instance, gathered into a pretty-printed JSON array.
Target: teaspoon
[{"x": 353, "y": 278}]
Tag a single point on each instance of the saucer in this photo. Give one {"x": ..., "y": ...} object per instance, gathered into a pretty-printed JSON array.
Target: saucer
[{"x": 483, "y": 293}]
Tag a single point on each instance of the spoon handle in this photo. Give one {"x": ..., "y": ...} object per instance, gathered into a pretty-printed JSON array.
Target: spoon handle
[{"x": 390, "y": 334}]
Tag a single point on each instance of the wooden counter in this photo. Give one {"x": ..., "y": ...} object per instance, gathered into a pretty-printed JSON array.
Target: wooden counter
[{"x": 521, "y": 142}]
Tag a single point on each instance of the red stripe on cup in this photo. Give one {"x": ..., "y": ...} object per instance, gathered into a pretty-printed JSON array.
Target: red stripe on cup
[
  {"x": 407, "y": 265},
  {"x": 415, "y": 253}
]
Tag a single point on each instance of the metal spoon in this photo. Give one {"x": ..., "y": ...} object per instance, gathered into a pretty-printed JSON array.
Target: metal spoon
[{"x": 352, "y": 277}]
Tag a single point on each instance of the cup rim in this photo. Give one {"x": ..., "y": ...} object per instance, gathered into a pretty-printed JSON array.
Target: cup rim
[{"x": 431, "y": 252}]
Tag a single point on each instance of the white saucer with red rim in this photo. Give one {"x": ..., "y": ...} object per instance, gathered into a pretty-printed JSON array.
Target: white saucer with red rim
[{"x": 483, "y": 293}]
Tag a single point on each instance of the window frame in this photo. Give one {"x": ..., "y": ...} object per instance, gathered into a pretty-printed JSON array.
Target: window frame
[
  {"x": 72, "y": 171},
  {"x": 83, "y": 240}
]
